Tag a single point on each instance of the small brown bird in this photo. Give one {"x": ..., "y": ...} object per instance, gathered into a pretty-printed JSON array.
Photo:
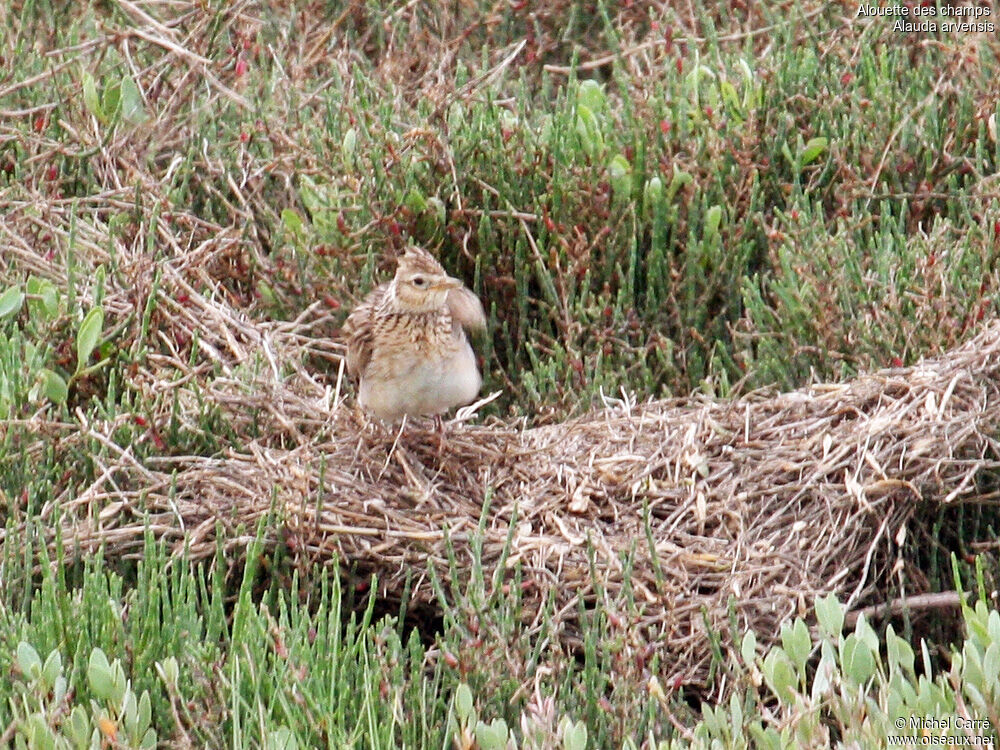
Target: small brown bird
[{"x": 406, "y": 342}]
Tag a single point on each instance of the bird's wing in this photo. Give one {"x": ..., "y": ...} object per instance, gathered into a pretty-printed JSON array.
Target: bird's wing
[
  {"x": 358, "y": 331},
  {"x": 466, "y": 309}
]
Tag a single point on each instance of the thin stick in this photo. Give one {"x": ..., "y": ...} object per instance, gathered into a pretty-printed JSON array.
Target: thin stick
[{"x": 941, "y": 600}]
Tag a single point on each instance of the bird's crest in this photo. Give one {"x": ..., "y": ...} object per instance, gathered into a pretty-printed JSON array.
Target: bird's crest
[{"x": 418, "y": 260}]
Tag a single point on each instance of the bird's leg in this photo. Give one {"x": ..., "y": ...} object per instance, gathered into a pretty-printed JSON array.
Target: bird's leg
[{"x": 439, "y": 428}]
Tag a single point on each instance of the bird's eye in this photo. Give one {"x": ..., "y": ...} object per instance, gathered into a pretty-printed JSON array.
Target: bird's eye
[{"x": 418, "y": 281}]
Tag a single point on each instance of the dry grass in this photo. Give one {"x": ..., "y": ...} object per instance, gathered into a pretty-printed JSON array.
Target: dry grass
[{"x": 765, "y": 502}]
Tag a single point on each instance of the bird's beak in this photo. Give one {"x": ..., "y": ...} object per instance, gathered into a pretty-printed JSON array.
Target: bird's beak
[{"x": 449, "y": 282}]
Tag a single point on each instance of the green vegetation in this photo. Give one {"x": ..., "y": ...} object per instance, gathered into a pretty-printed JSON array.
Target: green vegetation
[
  {"x": 288, "y": 668},
  {"x": 656, "y": 200}
]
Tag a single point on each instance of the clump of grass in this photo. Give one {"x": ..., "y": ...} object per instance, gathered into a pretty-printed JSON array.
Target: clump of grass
[
  {"x": 198, "y": 660},
  {"x": 218, "y": 666}
]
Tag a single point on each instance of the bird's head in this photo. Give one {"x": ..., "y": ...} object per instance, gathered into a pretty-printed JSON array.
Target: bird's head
[{"x": 421, "y": 284}]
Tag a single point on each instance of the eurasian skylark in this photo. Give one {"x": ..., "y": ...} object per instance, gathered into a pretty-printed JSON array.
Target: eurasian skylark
[{"x": 406, "y": 341}]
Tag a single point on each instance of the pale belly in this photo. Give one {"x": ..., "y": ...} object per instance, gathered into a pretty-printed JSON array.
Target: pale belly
[{"x": 398, "y": 385}]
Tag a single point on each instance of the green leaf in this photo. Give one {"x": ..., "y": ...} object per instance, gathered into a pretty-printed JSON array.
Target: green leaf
[
  {"x": 463, "y": 703},
  {"x": 972, "y": 673},
  {"x": 589, "y": 131},
  {"x": 748, "y": 648},
  {"x": 865, "y": 632},
  {"x": 732, "y": 101},
  {"x": 77, "y": 728},
  {"x": 619, "y": 167},
  {"x": 10, "y": 301},
  {"x": 132, "y": 104},
  {"x": 903, "y": 652},
  {"x": 279, "y": 739},
  {"x": 90, "y": 99},
  {"x": 779, "y": 674},
  {"x": 348, "y": 146},
  {"x": 830, "y": 615},
  {"x": 99, "y": 675},
  {"x": 54, "y": 387},
  {"x": 50, "y": 300},
  {"x": 415, "y": 201},
  {"x": 316, "y": 198},
  {"x": 712, "y": 219},
  {"x": 292, "y": 221},
  {"x": 40, "y": 736},
  {"x": 129, "y": 713},
  {"x": 797, "y": 643},
  {"x": 492, "y": 736},
  {"x": 856, "y": 660},
  {"x": 713, "y": 719},
  {"x": 111, "y": 101},
  {"x": 28, "y": 661},
  {"x": 52, "y": 668},
  {"x": 145, "y": 713},
  {"x": 765, "y": 738},
  {"x": 619, "y": 170},
  {"x": 169, "y": 672},
  {"x": 991, "y": 664},
  {"x": 87, "y": 336},
  {"x": 43, "y": 299},
  {"x": 119, "y": 685},
  {"x": 591, "y": 95},
  {"x": 736, "y": 713},
  {"x": 824, "y": 673},
  {"x": 575, "y": 736},
  {"x": 100, "y": 273},
  {"x": 993, "y": 626},
  {"x": 812, "y": 151}
]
